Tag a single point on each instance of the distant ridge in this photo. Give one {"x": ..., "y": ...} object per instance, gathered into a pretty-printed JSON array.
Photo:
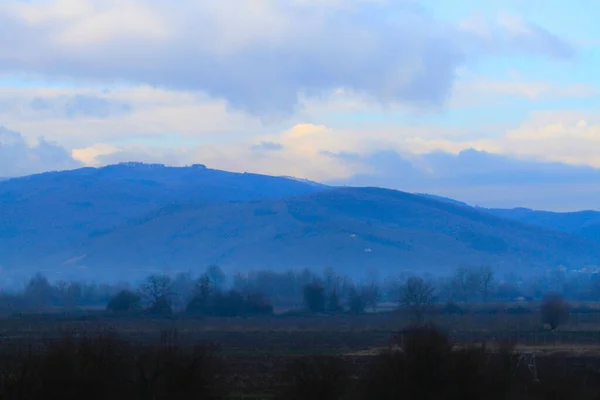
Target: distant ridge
[{"x": 136, "y": 216}]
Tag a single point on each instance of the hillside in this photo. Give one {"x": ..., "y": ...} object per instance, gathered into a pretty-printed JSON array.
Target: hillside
[
  {"x": 585, "y": 224},
  {"x": 54, "y": 213},
  {"x": 352, "y": 229},
  {"x": 137, "y": 216}
]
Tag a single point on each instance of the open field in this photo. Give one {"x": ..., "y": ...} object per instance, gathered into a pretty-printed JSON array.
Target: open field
[{"x": 257, "y": 350}]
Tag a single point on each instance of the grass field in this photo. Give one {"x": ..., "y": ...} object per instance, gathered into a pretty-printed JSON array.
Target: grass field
[{"x": 257, "y": 350}]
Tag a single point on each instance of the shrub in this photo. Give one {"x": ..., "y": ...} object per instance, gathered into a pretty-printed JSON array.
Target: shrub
[
  {"x": 257, "y": 304},
  {"x": 230, "y": 304},
  {"x": 199, "y": 304},
  {"x": 70, "y": 368},
  {"x": 170, "y": 371},
  {"x": 161, "y": 306},
  {"x": 124, "y": 301}
]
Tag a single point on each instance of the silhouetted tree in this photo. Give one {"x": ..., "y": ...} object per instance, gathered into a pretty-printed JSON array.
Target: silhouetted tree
[
  {"x": 183, "y": 288},
  {"x": 465, "y": 283},
  {"x": 417, "y": 296},
  {"x": 38, "y": 291},
  {"x": 230, "y": 304},
  {"x": 216, "y": 277},
  {"x": 371, "y": 294},
  {"x": 314, "y": 297},
  {"x": 124, "y": 301},
  {"x": 554, "y": 310},
  {"x": 333, "y": 302},
  {"x": 201, "y": 301},
  {"x": 157, "y": 290},
  {"x": 486, "y": 278},
  {"x": 357, "y": 301},
  {"x": 257, "y": 303}
]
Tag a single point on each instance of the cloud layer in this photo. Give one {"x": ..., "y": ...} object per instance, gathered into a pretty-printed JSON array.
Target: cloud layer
[
  {"x": 261, "y": 55},
  {"x": 17, "y": 157}
]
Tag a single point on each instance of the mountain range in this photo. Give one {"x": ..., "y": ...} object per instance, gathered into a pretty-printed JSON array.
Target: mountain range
[{"x": 138, "y": 217}]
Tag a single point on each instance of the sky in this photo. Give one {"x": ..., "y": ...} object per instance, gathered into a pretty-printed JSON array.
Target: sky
[{"x": 490, "y": 102}]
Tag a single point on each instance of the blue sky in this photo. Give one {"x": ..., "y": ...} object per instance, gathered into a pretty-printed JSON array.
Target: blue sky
[{"x": 409, "y": 88}]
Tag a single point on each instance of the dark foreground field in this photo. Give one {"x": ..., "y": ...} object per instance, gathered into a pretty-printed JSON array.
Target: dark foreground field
[{"x": 331, "y": 357}]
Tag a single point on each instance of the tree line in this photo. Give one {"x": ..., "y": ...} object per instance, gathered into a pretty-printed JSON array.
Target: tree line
[{"x": 213, "y": 293}]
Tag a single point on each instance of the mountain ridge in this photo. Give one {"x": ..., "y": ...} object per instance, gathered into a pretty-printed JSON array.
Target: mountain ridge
[{"x": 148, "y": 215}]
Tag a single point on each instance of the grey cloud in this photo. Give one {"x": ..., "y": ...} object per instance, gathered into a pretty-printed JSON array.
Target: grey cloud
[
  {"x": 484, "y": 179},
  {"x": 267, "y": 146},
  {"x": 480, "y": 168},
  {"x": 389, "y": 52},
  {"x": 17, "y": 158},
  {"x": 79, "y": 106}
]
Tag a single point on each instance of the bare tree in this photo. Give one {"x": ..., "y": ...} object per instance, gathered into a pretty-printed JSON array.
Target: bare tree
[
  {"x": 417, "y": 295},
  {"x": 216, "y": 277},
  {"x": 157, "y": 289},
  {"x": 371, "y": 293},
  {"x": 466, "y": 283},
  {"x": 38, "y": 291},
  {"x": 486, "y": 277},
  {"x": 554, "y": 310}
]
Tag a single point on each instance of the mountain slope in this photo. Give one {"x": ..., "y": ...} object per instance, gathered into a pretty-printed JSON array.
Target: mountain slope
[
  {"x": 585, "y": 224},
  {"x": 55, "y": 212},
  {"x": 352, "y": 229}
]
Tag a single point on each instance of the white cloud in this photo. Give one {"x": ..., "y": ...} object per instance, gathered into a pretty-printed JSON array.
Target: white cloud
[
  {"x": 90, "y": 155},
  {"x": 258, "y": 55},
  {"x": 78, "y": 118},
  {"x": 569, "y": 137}
]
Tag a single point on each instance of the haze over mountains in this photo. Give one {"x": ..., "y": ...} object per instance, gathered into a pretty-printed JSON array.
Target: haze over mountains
[{"x": 131, "y": 217}]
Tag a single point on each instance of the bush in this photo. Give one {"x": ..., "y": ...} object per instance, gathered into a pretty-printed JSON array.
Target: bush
[
  {"x": 70, "y": 368},
  {"x": 170, "y": 371},
  {"x": 231, "y": 304},
  {"x": 161, "y": 306},
  {"x": 419, "y": 371},
  {"x": 103, "y": 367},
  {"x": 124, "y": 301},
  {"x": 257, "y": 304},
  {"x": 199, "y": 304}
]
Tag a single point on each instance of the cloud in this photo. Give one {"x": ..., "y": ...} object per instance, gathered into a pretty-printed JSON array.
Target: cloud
[
  {"x": 571, "y": 137},
  {"x": 258, "y": 55},
  {"x": 81, "y": 117},
  {"x": 267, "y": 146},
  {"x": 93, "y": 155},
  {"x": 480, "y": 91},
  {"x": 18, "y": 158},
  {"x": 77, "y": 106},
  {"x": 482, "y": 178},
  {"x": 509, "y": 32},
  {"x": 478, "y": 177}
]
